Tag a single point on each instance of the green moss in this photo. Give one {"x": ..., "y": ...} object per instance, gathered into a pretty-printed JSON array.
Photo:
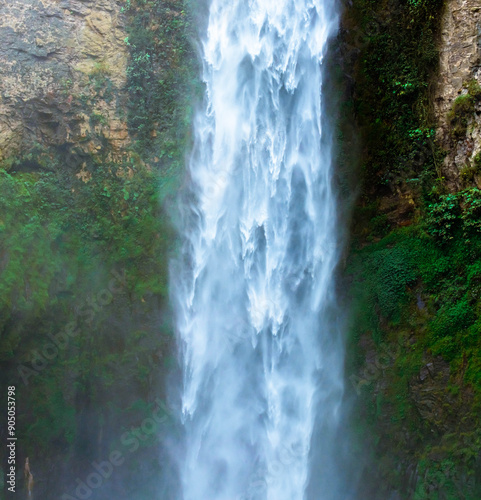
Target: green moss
[
  {"x": 474, "y": 89},
  {"x": 98, "y": 119},
  {"x": 161, "y": 79},
  {"x": 389, "y": 277},
  {"x": 462, "y": 110},
  {"x": 398, "y": 56},
  {"x": 467, "y": 174},
  {"x": 477, "y": 163},
  {"x": 458, "y": 116}
]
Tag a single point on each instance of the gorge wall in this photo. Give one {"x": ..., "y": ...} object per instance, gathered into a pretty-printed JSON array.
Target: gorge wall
[
  {"x": 459, "y": 76},
  {"x": 95, "y": 102},
  {"x": 413, "y": 272},
  {"x": 63, "y": 77}
]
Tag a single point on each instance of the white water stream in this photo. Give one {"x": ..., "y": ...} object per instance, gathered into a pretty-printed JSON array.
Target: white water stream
[{"x": 255, "y": 303}]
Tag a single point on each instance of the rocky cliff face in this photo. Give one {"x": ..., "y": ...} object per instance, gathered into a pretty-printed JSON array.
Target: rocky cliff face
[
  {"x": 415, "y": 301},
  {"x": 62, "y": 76},
  {"x": 460, "y": 66},
  {"x": 95, "y": 99}
]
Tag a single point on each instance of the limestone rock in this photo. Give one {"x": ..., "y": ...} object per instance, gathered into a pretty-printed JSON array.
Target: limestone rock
[
  {"x": 460, "y": 62},
  {"x": 62, "y": 75}
]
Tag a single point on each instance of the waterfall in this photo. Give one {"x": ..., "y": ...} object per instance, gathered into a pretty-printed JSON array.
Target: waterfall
[{"x": 254, "y": 292}]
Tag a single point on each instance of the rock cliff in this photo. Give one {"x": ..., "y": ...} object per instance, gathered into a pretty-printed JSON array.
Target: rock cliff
[
  {"x": 459, "y": 73},
  {"x": 95, "y": 106},
  {"x": 62, "y": 76},
  {"x": 63, "y": 87},
  {"x": 415, "y": 345}
]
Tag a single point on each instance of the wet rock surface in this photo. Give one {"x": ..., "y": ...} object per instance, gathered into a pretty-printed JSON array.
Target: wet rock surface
[
  {"x": 460, "y": 62},
  {"x": 62, "y": 76}
]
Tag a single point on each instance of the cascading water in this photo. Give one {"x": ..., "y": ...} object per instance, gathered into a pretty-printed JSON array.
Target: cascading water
[{"x": 261, "y": 354}]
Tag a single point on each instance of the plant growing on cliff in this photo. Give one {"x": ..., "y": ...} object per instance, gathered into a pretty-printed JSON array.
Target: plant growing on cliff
[
  {"x": 459, "y": 114},
  {"x": 398, "y": 56},
  {"x": 161, "y": 76},
  {"x": 455, "y": 215},
  {"x": 443, "y": 217},
  {"x": 463, "y": 108}
]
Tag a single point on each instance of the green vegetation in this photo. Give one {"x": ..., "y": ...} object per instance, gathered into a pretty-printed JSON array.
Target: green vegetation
[
  {"x": 84, "y": 262},
  {"x": 100, "y": 81},
  {"x": 422, "y": 294},
  {"x": 415, "y": 348},
  {"x": 407, "y": 262},
  {"x": 63, "y": 242},
  {"x": 160, "y": 82},
  {"x": 398, "y": 58},
  {"x": 456, "y": 216},
  {"x": 463, "y": 109}
]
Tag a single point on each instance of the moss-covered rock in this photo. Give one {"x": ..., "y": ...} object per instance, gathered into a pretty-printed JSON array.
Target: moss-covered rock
[
  {"x": 414, "y": 342},
  {"x": 86, "y": 234}
]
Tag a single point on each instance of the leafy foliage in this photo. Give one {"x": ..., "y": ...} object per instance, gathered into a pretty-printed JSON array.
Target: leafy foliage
[
  {"x": 423, "y": 294},
  {"x": 397, "y": 59},
  {"x": 159, "y": 75},
  {"x": 455, "y": 215},
  {"x": 463, "y": 108},
  {"x": 382, "y": 288},
  {"x": 62, "y": 241}
]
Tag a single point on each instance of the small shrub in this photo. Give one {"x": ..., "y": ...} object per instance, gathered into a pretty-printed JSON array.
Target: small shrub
[
  {"x": 443, "y": 217},
  {"x": 471, "y": 212},
  {"x": 100, "y": 69},
  {"x": 380, "y": 225},
  {"x": 451, "y": 320},
  {"x": 467, "y": 173}
]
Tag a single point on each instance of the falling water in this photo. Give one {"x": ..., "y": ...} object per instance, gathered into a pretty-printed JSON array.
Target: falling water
[{"x": 255, "y": 298}]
